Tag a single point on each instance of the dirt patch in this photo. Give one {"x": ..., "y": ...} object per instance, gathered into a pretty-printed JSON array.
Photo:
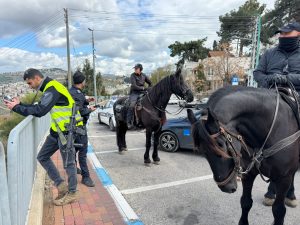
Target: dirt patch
[{"x": 48, "y": 213}]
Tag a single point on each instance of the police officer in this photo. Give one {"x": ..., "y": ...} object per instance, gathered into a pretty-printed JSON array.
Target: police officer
[
  {"x": 57, "y": 100},
  {"x": 82, "y": 103},
  {"x": 138, "y": 80},
  {"x": 279, "y": 65}
]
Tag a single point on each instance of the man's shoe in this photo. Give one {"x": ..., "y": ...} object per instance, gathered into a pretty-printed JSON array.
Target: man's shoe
[
  {"x": 87, "y": 181},
  {"x": 268, "y": 201},
  {"x": 68, "y": 198},
  {"x": 78, "y": 171},
  {"x": 62, "y": 190}
]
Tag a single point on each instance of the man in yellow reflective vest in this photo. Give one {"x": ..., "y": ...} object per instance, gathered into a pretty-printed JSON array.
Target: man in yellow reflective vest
[{"x": 57, "y": 100}]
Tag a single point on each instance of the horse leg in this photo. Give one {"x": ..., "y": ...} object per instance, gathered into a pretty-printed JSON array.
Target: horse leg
[
  {"x": 290, "y": 199},
  {"x": 246, "y": 199},
  {"x": 148, "y": 146},
  {"x": 118, "y": 136},
  {"x": 123, "y": 138},
  {"x": 155, "y": 157},
  {"x": 278, "y": 208}
]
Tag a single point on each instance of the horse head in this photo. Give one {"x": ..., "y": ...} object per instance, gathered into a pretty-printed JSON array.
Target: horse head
[
  {"x": 210, "y": 138},
  {"x": 179, "y": 87}
]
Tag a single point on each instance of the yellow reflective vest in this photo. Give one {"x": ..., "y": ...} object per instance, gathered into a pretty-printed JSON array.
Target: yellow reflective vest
[{"x": 60, "y": 115}]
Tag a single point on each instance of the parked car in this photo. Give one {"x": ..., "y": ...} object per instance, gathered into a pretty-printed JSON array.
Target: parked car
[
  {"x": 183, "y": 103},
  {"x": 106, "y": 114},
  {"x": 202, "y": 104},
  {"x": 176, "y": 133},
  {"x": 173, "y": 100}
]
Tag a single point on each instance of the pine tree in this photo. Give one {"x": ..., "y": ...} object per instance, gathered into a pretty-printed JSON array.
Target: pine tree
[{"x": 89, "y": 79}]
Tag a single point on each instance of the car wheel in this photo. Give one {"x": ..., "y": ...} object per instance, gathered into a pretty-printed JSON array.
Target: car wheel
[
  {"x": 99, "y": 119},
  {"x": 111, "y": 125},
  {"x": 168, "y": 142}
]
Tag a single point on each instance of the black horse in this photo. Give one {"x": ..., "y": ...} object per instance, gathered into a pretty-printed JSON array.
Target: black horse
[
  {"x": 242, "y": 135},
  {"x": 152, "y": 112}
]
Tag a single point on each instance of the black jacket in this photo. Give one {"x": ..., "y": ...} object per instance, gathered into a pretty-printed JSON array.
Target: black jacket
[
  {"x": 138, "y": 82},
  {"x": 275, "y": 61},
  {"x": 81, "y": 102},
  {"x": 50, "y": 98}
]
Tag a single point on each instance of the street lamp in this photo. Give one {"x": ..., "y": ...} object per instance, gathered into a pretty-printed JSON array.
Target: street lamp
[{"x": 94, "y": 72}]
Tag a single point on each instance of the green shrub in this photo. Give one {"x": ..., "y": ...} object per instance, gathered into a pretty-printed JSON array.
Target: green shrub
[{"x": 8, "y": 122}]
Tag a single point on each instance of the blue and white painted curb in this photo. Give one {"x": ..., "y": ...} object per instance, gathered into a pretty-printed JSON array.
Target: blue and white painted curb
[{"x": 124, "y": 208}]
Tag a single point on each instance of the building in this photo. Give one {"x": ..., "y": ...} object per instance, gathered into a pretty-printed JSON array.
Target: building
[{"x": 220, "y": 66}]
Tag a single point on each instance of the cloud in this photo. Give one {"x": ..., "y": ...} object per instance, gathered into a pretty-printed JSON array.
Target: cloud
[{"x": 126, "y": 32}]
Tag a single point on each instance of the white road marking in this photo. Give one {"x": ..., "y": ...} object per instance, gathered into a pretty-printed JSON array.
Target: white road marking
[
  {"x": 112, "y": 151},
  {"x": 165, "y": 185},
  {"x": 112, "y": 135}
]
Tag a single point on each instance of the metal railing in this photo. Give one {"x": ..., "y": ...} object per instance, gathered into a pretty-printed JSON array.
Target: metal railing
[
  {"x": 4, "y": 201},
  {"x": 22, "y": 147}
]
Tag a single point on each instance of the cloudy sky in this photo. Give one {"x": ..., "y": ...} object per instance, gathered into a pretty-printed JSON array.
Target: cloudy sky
[{"x": 32, "y": 32}]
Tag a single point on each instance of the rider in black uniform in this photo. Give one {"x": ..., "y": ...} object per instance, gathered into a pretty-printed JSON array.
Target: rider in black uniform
[
  {"x": 279, "y": 65},
  {"x": 137, "y": 80}
]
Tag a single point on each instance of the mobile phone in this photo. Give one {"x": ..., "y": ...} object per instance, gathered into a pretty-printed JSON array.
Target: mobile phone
[{"x": 8, "y": 98}]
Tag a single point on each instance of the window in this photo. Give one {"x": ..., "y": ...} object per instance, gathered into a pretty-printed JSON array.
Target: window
[{"x": 210, "y": 71}]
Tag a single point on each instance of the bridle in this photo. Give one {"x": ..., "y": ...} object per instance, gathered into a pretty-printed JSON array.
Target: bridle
[
  {"x": 181, "y": 108},
  {"x": 234, "y": 154}
]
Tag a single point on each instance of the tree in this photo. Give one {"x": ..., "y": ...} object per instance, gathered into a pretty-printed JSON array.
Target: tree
[
  {"x": 201, "y": 84},
  {"x": 284, "y": 12},
  {"x": 192, "y": 50},
  {"x": 87, "y": 70},
  {"x": 160, "y": 73},
  {"x": 239, "y": 24},
  {"x": 215, "y": 46}
]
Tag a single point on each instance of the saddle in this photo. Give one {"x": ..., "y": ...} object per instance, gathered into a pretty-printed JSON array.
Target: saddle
[
  {"x": 289, "y": 95},
  {"x": 121, "y": 110}
]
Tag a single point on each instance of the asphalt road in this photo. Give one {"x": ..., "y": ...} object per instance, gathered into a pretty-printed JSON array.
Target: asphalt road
[{"x": 179, "y": 191}]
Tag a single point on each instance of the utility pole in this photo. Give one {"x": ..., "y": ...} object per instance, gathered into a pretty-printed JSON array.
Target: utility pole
[
  {"x": 68, "y": 49},
  {"x": 255, "y": 52},
  {"x": 94, "y": 69}
]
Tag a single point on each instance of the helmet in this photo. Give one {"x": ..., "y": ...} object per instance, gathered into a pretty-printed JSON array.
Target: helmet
[{"x": 138, "y": 66}]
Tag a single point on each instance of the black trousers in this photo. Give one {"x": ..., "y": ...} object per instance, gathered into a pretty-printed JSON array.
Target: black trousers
[{"x": 81, "y": 152}]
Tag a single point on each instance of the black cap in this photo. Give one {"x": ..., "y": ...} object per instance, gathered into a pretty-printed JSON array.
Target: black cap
[
  {"x": 78, "y": 77},
  {"x": 138, "y": 66},
  {"x": 289, "y": 27}
]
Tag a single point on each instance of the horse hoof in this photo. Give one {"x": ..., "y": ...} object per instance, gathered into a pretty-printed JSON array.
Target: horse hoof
[
  {"x": 147, "y": 164},
  {"x": 268, "y": 201},
  {"x": 124, "y": 149},
  {"x": 147, "y": 161},
  {"x": 156, "y": 162},
  {"x": 291, "y": 202},
  {"x": 121, "y": 152}
]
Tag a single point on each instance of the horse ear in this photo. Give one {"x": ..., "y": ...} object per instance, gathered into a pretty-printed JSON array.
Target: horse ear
[
  {"x": 191, "y": 116},
  {"x": 212, "y": 124},
  {"x": 178, "y": 72}
]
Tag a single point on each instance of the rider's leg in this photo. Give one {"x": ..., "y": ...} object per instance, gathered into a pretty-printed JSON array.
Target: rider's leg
[{"x": 130, "y": 113}]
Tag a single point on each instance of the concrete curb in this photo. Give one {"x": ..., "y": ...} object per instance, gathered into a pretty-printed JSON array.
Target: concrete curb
[{"x": 35, "y": 213}]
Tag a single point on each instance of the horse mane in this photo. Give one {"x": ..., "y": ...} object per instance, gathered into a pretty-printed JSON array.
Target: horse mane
[
  {"x": 159, "y": 89},
  {"x": 217, "y": 96}
]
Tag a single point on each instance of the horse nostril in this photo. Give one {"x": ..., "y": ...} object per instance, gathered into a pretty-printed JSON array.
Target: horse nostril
[{"x": 233, "y": 190}]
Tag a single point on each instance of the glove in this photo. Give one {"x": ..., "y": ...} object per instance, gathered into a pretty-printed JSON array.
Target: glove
[{"x": 278, "y": 79}]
